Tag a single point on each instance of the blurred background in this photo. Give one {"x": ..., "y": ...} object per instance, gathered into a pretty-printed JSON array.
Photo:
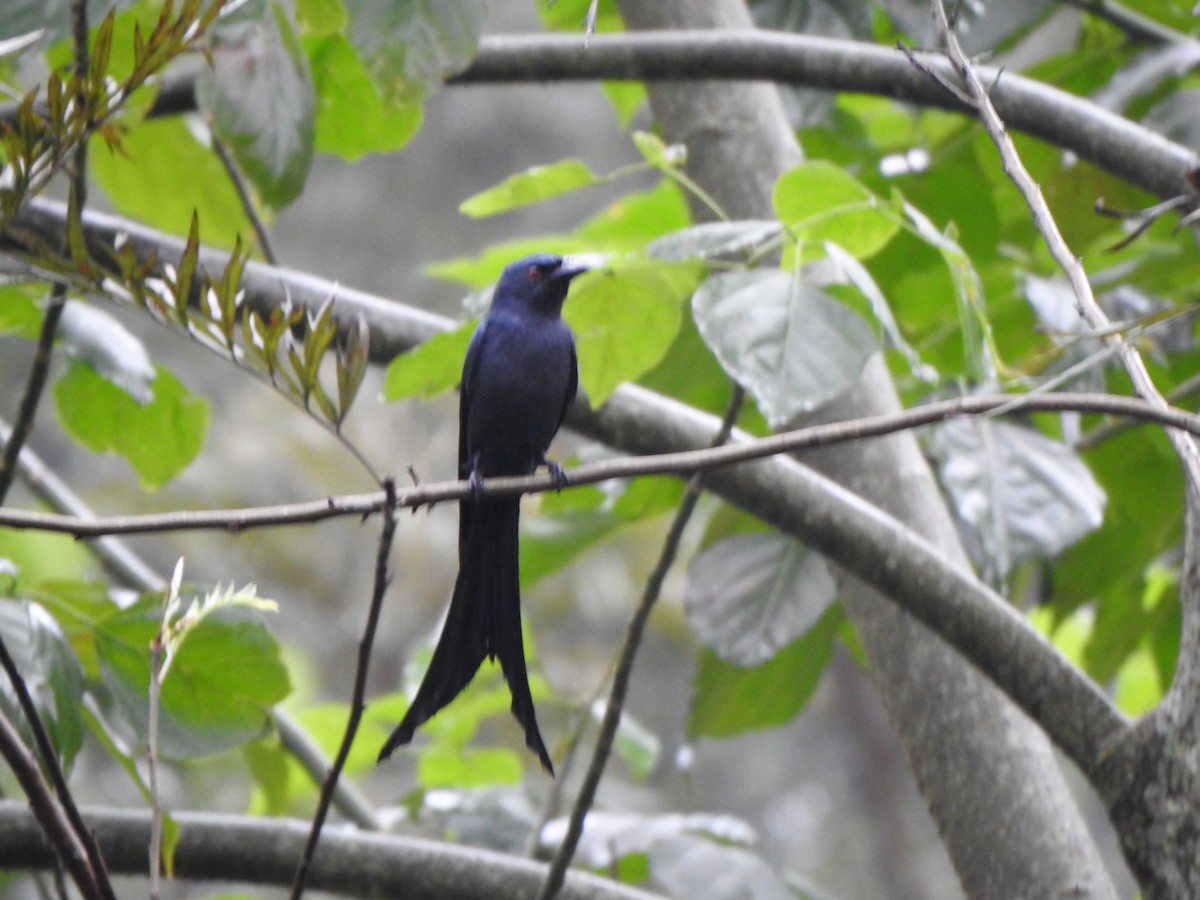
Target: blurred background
[{"x": 829, "y": 795}]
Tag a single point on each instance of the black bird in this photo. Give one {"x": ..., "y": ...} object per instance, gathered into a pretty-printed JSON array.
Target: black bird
[{"x": 518, "y": 379}]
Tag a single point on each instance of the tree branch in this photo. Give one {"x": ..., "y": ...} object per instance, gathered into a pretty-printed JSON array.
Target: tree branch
[
  {"x": 1138, "y": 27},
  {"x": 1112, "y": 142},
  {"x": 358, "y": 692},
  {"x": 624, "y": 671},
  {"x": 744, "y": 449},
  {"x": 1085, "y": 301},
  {"x": 1115, "y": 144},
  {"x": 253, "y": 850}
]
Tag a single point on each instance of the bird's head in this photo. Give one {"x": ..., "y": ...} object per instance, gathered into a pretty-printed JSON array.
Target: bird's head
[{"x": 538, "y": 282}]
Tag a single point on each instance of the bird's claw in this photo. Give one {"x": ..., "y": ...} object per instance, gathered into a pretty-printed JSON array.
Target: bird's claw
[
  {"x": 474, "y": 482},
  {"x": 557, "y": 475}
]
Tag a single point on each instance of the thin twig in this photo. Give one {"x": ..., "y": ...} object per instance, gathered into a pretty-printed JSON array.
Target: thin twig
[
  {"x": 1085, "y": 301},
  {"x": 125, "y": 565},
  {"x": 620, "y": 683},
  {"x": 243, "y": 192},
  {"x": 49, "y": 758},
  {"x": 154, "y": 696},
  {"x": 1189, "y": 387},
  {"x": 367, "y": 641},
  {"x": 97, "y": 877},
  {"x": 35, "y": 385},
  {"x": 742, "y": 450},
  {"x": 62, "y": 836},
  {"x": 117, "y": 558}
]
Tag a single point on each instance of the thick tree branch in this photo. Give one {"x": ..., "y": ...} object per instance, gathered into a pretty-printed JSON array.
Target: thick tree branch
[
  {"x": 263, "y": 851},
  {"x": 1113, "y": 143}
]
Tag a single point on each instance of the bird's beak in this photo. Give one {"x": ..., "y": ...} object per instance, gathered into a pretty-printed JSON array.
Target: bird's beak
[{"x": 578, "y": 263}]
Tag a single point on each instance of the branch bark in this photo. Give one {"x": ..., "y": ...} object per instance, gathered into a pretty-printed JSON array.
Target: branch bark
[
  {"x": 1112, "y": 142},
  {"x": 737, "y": 53},
  {"x": 1016, "y": 833},
  {"x": 264, "y": 851}
]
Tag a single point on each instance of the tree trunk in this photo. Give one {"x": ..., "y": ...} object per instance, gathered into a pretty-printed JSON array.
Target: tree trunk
[{"x": 988, "y": 774}]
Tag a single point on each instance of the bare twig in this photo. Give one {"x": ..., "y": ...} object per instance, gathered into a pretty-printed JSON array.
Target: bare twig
[
  {"x": 633, "y": 639},
  {"x": 35, "y": 384},
  {"x": 63, "y": 836},
  {"x": 360, "y": 688},
  {"x": 243, "y": 192},
  {"x": 129, "y": 568},
  {"x": 744, "y": 449},
  {"x": 93, "y": 880},
  {"x": 1085, "y": 301}
]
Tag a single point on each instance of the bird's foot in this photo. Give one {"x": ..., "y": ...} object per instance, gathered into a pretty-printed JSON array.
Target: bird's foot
[{"x": 557, "y": 475}]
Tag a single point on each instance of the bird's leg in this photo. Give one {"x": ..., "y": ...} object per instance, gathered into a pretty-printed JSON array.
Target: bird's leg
[
  {"x": 474, "y": 477},
  {"x": 557, "y": 475}
]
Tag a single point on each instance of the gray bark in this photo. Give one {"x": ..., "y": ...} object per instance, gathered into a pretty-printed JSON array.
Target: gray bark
[
  {"x": 992, "y": 783},
  {"x": 260, "y": 850}
]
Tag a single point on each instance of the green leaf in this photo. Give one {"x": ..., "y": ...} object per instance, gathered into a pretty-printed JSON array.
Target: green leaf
[
  {"x": 224, "y": 679},
  {"x": 633, "y": 868},
  {"x": 654, "y": 150},
  {"x": 1138, "y": 688},
  {"x": 624, "y": 320},
  {"x": 749, "y": 594},
  {"x": 51, "y": 671},
  {"x": 792, "y": 345},
  {"x": 353, "y": 117},
  {"x": 163, "y": 151},
  {"x": 326, "y": 724},
  {"x": 259, "y": 98},
  {"x": 625, "y": 225},
  {"x": 626, "y": 97},
  {"x": 20, "y": 312},
  {"x": 636, "y": 744},
  {"x": 412, "y": 46},
  {"x": 433, "y": 367},
  {"x": 571, "y": 15},
  {"x": 729, "y": 700},
  {"x": 322, "y": 17},
  {"x": 714, "y": 239},
  {"x": 818, "y": 201},
  {"x": 449, "y": 766},
  {"x": 548, "y": 543},
  {"x": 979, "y": 344},
  {"x": 269, "y": 766},
  {"x": 531, "y": 186},
  {"x": 158, "y": 439}
]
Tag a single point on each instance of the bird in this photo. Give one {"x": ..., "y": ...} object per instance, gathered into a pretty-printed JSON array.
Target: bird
[{"x": 519, "y": 376}]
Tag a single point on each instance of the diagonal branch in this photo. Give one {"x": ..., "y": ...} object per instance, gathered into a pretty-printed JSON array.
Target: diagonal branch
[
  {"x": 624, "y": 671},
  {"x": 358, "y": 696},
  {"x": 744, "y": 449},
  {"x": 1085, "y": 300}
]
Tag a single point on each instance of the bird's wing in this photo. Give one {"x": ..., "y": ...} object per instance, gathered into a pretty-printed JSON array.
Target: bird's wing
[
  {"x": 466, "y": 391},
  {"x": 572, "y": 384}
]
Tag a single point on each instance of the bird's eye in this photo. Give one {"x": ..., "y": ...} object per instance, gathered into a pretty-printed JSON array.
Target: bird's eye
[{"x": 534, "y": 273}]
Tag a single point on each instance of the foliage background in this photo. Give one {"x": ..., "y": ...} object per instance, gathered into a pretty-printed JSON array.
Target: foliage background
[{"x": 828, "y": 792}]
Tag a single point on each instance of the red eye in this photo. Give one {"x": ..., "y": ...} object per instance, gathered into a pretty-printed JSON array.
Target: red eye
[{"x": 534, "y": 273}]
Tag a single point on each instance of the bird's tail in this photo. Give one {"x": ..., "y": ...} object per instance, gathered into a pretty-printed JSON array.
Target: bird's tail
[{"x": 484, "y": 620}]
